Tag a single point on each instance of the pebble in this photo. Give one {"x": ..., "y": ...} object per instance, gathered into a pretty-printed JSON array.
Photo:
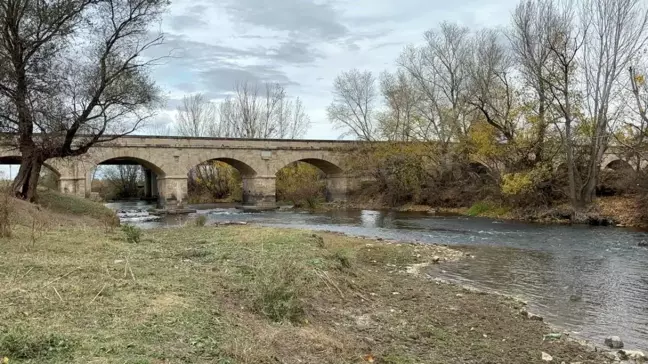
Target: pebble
[
  {"x": 613, "y": 342},
  {"x": 546, "y": 357}
]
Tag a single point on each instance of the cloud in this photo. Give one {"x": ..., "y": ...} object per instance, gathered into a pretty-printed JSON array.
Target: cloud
[{"x": 321, "y": 21}]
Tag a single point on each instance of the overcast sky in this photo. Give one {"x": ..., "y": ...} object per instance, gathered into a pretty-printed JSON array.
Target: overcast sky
[{"x": 302, "y": 44}]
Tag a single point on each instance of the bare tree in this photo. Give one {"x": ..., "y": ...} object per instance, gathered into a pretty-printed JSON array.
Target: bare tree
[
  {"x": 401, "y": 121},
  {"x": 491, "y": 89},
  {"x": 528, "y": 37},
  {"x": 616, "y": 32},
  {"x": 71, "y": 76},
  {"x": 565, "y": 41},
  {"x": 124, "y": 179},
  {"x": 353, "y": 106},
  {"x": 633, "y": 135},
  {"x": 262, "y": 112},
  {"x": 440, "y": 72},
  {"x": 197, "y": 117}
]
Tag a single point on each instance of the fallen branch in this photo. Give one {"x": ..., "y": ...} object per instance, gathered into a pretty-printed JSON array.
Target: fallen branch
[
  {"x": 98, "y": 293},
  {"x": 62, "y": 276},
  {"x": 58, "y": 294}
]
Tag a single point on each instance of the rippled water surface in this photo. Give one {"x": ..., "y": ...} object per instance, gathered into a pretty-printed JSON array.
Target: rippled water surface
[{"x": 590, "y": 280}]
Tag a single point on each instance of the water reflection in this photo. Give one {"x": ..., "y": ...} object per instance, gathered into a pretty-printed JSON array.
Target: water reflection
[{"x": 588, "y": 280}]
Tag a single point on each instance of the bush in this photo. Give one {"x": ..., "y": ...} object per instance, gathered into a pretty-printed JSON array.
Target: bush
[
  {"x": 301, "y": 184},
  {"x": 133, "y": 233},
  {"x": 277, "y": 291},
  {"x": 214, "y": 181},
  {"x": 201, "y": 220},
  {"x": 478, "y": 208}
]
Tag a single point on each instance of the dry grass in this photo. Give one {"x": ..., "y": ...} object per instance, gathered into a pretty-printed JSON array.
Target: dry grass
[{"x": 248, "y": 295}]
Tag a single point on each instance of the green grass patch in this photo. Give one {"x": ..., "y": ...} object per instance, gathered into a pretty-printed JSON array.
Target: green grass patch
[
  {"x": 73, "y": 205},
  {"x": 487, "y": 209}
]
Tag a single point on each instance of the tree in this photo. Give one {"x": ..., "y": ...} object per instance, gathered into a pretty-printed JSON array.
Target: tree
[
  {"x": 262, "y": 112},
  {"x": 197, "y": 117},
  {"x": 72, "y": 76},
  {"x": 353, "y": 106},
  {"x": 124, "y": 180},
  {"x": 565, "y": 40},
  {"x": 440, "y": 72},
  {"x": 401, "y": 120},
  {"x": 491, "y": 89},
  {"x": 616, "y": 32},
  {"x": 528, "y": 37}
]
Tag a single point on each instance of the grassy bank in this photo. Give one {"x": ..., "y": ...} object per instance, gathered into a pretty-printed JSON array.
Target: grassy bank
[{"x": 81, "y": 294}]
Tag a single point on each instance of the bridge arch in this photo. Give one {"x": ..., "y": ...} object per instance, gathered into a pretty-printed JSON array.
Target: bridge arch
[
  {"x": 9, "y": 159},
  {"x": 617, "y": 165},
  {"x": 335, "y": 179},
  {"x": 154, "y": 175}
]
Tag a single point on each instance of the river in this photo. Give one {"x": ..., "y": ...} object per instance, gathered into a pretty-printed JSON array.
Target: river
[{"x": 592, "y": 281}]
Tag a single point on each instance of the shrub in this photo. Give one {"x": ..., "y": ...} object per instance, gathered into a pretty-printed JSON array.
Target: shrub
[
  {"x": 478, "y": 208},
  {"x": 302, "y": 184},
  {"x": 201, "y": 220},
  {"x": 277, "y": 291},
  {"x": 214, "y": 181},
  {"x": 133, "y": 233},
  {"x": 21, "y": 345}
]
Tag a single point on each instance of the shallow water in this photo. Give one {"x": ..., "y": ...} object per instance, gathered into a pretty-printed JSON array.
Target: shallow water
[{"x": 589, "y": 280}]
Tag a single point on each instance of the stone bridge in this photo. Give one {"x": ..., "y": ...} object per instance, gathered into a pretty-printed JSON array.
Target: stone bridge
[{"x": 167, "y": 162}]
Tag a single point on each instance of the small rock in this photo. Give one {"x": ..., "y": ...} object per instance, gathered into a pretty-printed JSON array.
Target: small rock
[
  {"x": 614, "y": 342},
  {"x": 459, "y": 295},
  {"x": 531, "y": 316},
  {"x": 546, "y": 357},
  {"x": 635, "y": 355},
  {"x": 436, "y": 259},
  {"x": 117, "y": 261}
]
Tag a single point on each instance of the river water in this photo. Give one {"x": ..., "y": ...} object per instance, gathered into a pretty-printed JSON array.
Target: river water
[{"x": 592, "y": 281}]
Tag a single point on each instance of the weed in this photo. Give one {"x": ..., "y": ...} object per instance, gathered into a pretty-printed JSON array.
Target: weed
[
  {"x": 478, "y": 208},
  {"x": 133, "y": 233},
  {"x": 194, "y": 253},
  {"x": 21, "y": 345},
  {"x": 343, "y": 257},
  {"x": 201, "y": 220},
  {"x": 5, "y": 214},
  {"x": 319, "y": 241},
  {"x": 278, "y": 290}
]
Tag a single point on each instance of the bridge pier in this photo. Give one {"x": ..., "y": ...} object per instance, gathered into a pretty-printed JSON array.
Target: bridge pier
[
  {"x": 150, "y": 184},
  {"x": 172, "y": 191},
  {"x": 336, "y": 188},
  {"x": 72, "y": 186},
  {"x": 260, "y": 191}
]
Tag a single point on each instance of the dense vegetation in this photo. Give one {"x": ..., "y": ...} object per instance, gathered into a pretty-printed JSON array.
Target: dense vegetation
[{"x": 521, "y": 116}]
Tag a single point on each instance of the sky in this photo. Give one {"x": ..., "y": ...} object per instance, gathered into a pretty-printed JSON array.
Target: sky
[{"x": 302, "y": 44}]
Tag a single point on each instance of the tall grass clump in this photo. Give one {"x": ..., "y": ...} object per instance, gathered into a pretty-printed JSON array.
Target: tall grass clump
[
  {"x": 278, "y": 291},
  {"x": 5, "y": 213},
  {"x": 132, "y": 233}
]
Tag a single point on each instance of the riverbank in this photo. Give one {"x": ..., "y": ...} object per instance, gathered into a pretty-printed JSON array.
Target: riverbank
[
  {"x": 624, "y": 211},
  {"x": 81, "y": 293}
]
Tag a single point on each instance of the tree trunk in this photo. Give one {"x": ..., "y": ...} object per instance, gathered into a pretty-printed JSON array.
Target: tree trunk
[{"x": 26, "y": 181}]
